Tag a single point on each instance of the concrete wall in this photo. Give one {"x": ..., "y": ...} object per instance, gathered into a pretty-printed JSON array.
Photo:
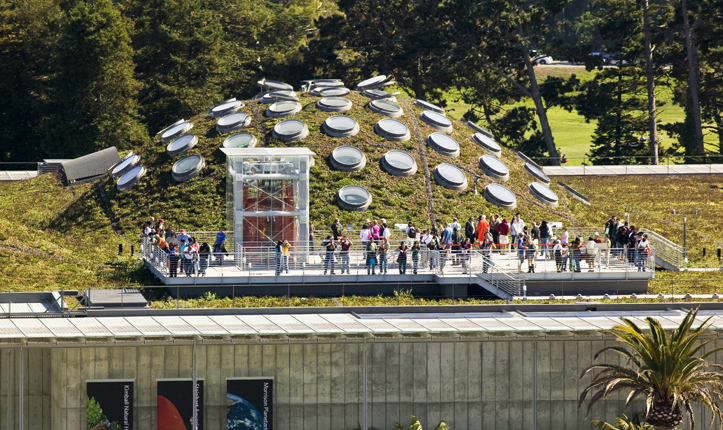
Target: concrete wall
[{"x": 468, "y": 384}]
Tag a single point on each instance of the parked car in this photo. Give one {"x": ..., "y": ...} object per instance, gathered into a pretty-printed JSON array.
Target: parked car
[{"x": 542, "y": 59}]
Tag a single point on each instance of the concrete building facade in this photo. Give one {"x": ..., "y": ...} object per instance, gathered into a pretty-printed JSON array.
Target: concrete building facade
[{"x": 505, "y": 383}]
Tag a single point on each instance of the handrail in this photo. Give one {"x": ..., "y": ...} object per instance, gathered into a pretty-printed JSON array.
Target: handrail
[
  {"x": 487, "y": 271},
  {"x": 667, "y": 250}
]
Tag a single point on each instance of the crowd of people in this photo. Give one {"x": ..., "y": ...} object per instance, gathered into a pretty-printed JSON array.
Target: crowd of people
[
  {"x": 183, "y": 251},
  {"x": 497, "y": 234},
  {"x": 451, "y": 241}
]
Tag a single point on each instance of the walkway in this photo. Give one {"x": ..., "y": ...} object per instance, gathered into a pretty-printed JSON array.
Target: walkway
[
  {"x": 635, "y": 170},
  {"x": 17, "y": 175}
]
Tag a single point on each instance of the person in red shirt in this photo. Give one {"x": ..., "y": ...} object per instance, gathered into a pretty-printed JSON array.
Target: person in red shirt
[{"x": 482, "y": 228}]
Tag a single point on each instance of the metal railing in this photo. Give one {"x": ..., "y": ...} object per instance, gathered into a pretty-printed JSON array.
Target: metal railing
[
  {"x": 498, "y": 277},
  {"x": 670, "y": 160},
  {"x": 667, "y": 250}
]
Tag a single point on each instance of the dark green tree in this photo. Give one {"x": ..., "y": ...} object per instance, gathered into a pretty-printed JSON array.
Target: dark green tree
[
  {"x": 615, "y": 98},
  {"x": 94, "y": 100},
  {"x": 28, "y": 35}
]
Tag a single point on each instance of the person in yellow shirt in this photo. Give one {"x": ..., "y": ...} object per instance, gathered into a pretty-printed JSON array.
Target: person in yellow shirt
[{"x": 285, "y": 256}]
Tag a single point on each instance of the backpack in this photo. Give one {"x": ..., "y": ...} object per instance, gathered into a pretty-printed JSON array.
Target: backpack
[{"x": 412, "y": 233}]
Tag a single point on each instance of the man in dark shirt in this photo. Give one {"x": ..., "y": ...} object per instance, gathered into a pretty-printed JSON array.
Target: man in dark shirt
[
  {"x": 469, "y": 230},
  {"x": 535, "y": 233}
]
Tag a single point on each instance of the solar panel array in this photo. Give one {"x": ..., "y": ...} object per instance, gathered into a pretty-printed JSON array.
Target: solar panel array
[{"x": 311, "y": 325}]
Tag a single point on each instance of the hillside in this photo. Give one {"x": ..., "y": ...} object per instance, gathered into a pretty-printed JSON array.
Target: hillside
[{"x": 53, "y": 237}]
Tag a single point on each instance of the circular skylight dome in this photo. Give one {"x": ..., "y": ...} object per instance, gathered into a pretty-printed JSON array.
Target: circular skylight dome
[
  {"x": 334, "y": 92},
  {"x": 354, "y": 198},
  {"x": 385, "y": 107},
  {"x": 391, "y": 129},
  {"x": 501, "y": 196},
  {"x": 233, "y": 122},
  {"x": 334, "y": 104},
  {"x": 379, "y": 95},
  {"x": 494, "y": 168},
  {"x": 275, "y": 85},
  {"x": 544, "y": 194},
  {"x": 488, "y": 144},
  {"x": 372, "y": 81},
  {"x": 314, "y": 81},
  {"x": 323, "y": 83},
  {"x": 429, "y": 106},
  {"x": 187, "y": 167},
  {"x": 240, "y": 140},
  {"x": 451, "y": 177},
  {"x": 226, "y": 108},
  {"x": 443, "y": 144},
  {"x": 348, "y": 159},
  {"x": 438, "y": 121},
  {"x": 127, "y": 163},
  {"x": 341, "y": 126},
  {"x": 182, "y": 145},
  {"x": 399, "y": 163},
  {"x": 290, "y": 130},
  {"x": 283, "y": 108},
  {"x": 130, "y": 178},
  {"x": 275, "y": 96},
  {"x": 537, "y": 173},
  {"x": 176, "y": 130}
]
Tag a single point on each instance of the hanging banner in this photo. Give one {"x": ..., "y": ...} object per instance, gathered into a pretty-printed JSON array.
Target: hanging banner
[
  {"x": 250, "y": 404},
  {"x": 176, "y": 403},
  {"x": 109, "y": 405}
]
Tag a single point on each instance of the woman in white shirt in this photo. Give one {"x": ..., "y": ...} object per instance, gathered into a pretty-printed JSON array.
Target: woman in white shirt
[{"x": 365, "y": 234}]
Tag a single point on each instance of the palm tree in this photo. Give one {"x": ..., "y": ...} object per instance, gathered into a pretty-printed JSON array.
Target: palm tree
[{"x": 664, "y": 369}]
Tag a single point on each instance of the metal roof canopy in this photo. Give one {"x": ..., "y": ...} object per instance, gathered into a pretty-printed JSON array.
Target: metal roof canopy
[
  {"x": 266, "y": 152},
  {"x": 280, "y": 325},
  {"x": 88, "y": 166}
]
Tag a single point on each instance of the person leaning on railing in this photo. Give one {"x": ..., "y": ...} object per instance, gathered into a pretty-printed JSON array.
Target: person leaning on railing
[
  {"x": 345, "y": 245},
  {"x": 382, "y": 255}
]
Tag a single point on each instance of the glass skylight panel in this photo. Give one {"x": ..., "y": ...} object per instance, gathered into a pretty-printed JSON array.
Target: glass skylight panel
[
  {"x": 341, "y": 126},
  {"x": 386, "y": 107},
  {"x": 283, "y": 109},
  {"x": 176, "y": 326},
  {"x": 232, "y": 324},
  {"x": 354, "y": 198},
  {"x": 275, "y": 85},
  {"x": 372, "y": 81},
  {"x": 450, "y": 177},
  {"x": 182, "y": 145},
  {"x": 318, "y": 324},
  {"x": 130, "y": 178},
  {"x": 347, "y": 323},
  {"x": 148, "y": 326},
  {"x": 290, "y": 130},
  {"x": 500, "y": 196},
  {"x": 205, "y": 325},
  {"x": 9, "y": 330},
  {"x": 129, "y": 161},
  {"x": 537, "y": 173},
  {"x": 334, "y": 104},
  {"x": 544, "y": 194},
  {"x": 334, "y": 92},
  {"x": 175, "y": 130},
  {"x": 188, "y": 167},
  {"x": 261, "y": 324},
  {"x": 90, "y": 327},
  {"x": 488, "y": 144},
  {"x": 436, "y": 120},
  {"x": 348, "y": 159},
  {"x": 226, "y": 108},
  {"x": 443, "y": 144},
  {"x": 399, "y": 163},
  {"x": 119, "y": 326},
  {"x": 380, "y": 95},
  {"x": 392, "y": 130},
  {"x": 32, "y": 327},
  {"x": 62, "y": 327},
  {"x": 233, "y": 122},
  {"x": 494, "y": 168},
  {"x": 240, "y": 140}
]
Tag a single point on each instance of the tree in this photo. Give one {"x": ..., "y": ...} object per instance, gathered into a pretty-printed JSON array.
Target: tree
[
  {"x": 615, "y": 99},
  {"x": 669, "y": 371},
  {"x": 28, "y": 36},
  {"x": 408, "y": 39},
  {"x": 622, "y": 23},
  {"x": 691, "y": 50},
  {"x": 502, "y": 37},
  {"x": 95, "y": 92}
]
